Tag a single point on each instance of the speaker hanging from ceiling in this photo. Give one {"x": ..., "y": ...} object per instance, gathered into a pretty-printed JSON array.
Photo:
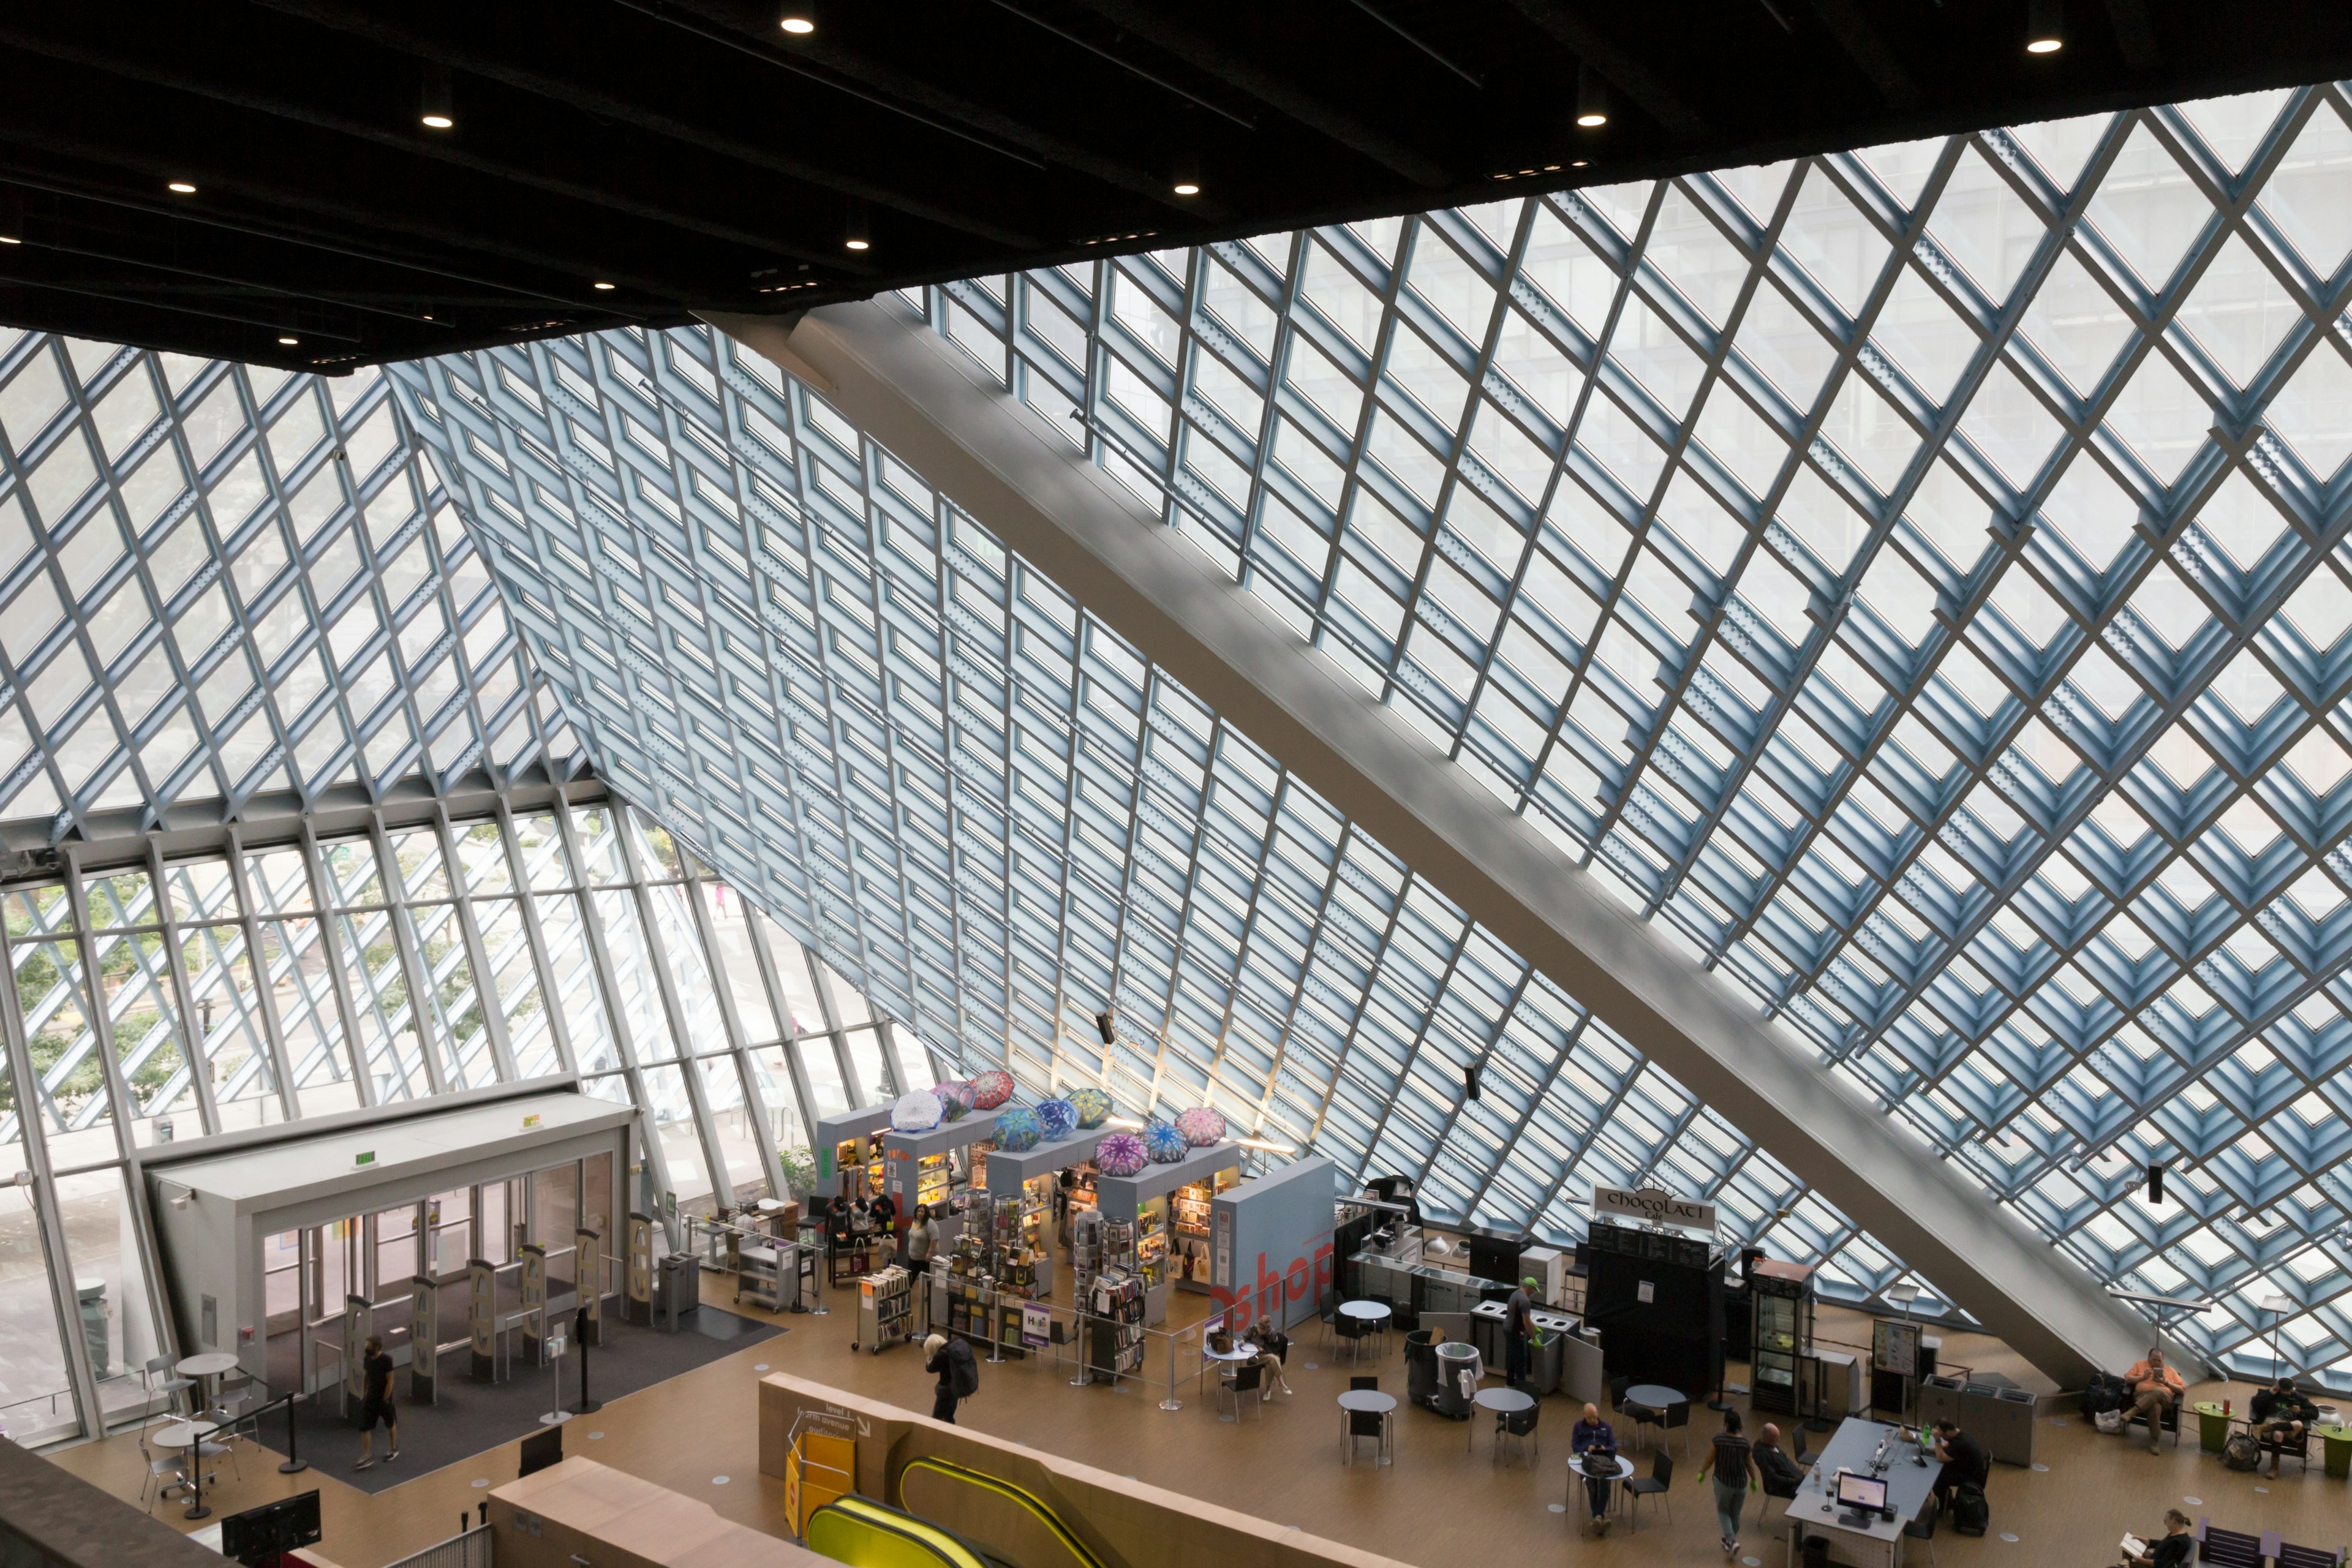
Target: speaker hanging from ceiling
[
  {"x": 1102, "y": 1028},
  {"x": 1470, "y": 1082},
  {"x": 2156, "y": 1183}
]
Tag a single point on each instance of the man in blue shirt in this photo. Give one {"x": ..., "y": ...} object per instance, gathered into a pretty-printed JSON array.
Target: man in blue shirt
[{"x": 1594, "y": 1436}]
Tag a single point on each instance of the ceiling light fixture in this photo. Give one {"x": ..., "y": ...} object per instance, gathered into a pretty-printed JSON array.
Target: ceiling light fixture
[
  {"x": 601, "y": 284},
  {"x": 1187, "y": 181},
  {"x": 2044, "y": 27},
  {"x": 855, "y": 238},
  {"x": 799, "y": 21},
  {"x": 181, "y": 188},
  {"x": 1591, "y": 99},
  {"x": 12, "y": 217},
  {"x": 434, "y": 110},
  {"x": 289, "y": 342}
]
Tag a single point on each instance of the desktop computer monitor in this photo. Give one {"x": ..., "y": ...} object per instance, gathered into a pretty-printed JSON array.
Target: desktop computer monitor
[{"x": 1864, "y": 1494}]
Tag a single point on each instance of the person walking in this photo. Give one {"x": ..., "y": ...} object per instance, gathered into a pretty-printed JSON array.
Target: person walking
[
  {"x": 1733, "y": 1465},
  {"x": 959, "y": 1374},
  {"x": 375, "y": 1404}
]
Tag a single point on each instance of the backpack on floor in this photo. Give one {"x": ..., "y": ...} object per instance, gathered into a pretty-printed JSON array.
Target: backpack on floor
[
  {"x": 2106, "y": 1393},
  {"x": 2240, "y": 1452},
  {"x": 1971, "y": 1515}
]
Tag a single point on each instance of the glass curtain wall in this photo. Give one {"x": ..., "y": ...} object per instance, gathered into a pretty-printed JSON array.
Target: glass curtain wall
[{"x": 409, "y": 955}]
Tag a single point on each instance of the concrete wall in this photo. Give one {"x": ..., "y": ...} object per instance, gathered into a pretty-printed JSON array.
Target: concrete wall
[
  {"x": 1129, "y": 1525},
  {"x": 1270, "y": 1245}
]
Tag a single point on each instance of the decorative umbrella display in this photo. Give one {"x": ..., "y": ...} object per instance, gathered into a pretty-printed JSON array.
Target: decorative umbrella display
[
  {"x": 1201, "y": 1126},
  {"x": 1018, "y": 1129},
  {"x": 1092, "y": 1105},
  {"x": 1121, "y": 1155},
  {"x": 1057, "y": 1119},
  {"x": 990, "y": 1089},
  {"x": 955, "y": 1098},
  {"x": 1163, "y": 1142},
  {"x": 916, "y": 1112}
]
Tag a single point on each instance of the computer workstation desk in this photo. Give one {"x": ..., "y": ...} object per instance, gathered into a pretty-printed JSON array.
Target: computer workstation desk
[{"x": 1815, "y": 1511}]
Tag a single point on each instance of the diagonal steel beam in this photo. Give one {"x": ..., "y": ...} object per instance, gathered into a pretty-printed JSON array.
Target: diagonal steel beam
[{"x": 917, "y": 396}]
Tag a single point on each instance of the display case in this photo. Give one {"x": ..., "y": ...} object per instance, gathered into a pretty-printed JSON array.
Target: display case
[
  {"x": 934, "y": 1179},
  {"x": 1188, "y": 1223},
  {"x": 1780, "y": 1333},
  {"x": 860, "y": 1156},
  {"x": 1151, "y": 1257}
]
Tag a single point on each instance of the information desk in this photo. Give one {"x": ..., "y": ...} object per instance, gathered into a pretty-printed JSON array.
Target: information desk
[{"x": 1814, "y": 1512}]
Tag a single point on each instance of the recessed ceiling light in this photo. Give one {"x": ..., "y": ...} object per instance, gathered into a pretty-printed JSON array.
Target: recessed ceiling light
[
  {"x": 853, "y": 235},
  {"x": 857, "y": 245},
  {"x": 800, "y": 27},
  {"x": 289, "y": 342},
  {"x": 437, "y": 122},
  {"x": 2044, "y": 46},
  {"x": 180, "y": 187},
  {"x": 1187, "y": 188},
  {"x": 601, "y": 284}
]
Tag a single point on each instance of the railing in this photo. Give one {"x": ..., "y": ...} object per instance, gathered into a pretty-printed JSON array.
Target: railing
[{"x": 469, "y": 1548}]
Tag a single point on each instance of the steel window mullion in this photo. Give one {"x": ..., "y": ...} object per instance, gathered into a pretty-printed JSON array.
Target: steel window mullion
[
  {"x": 730, "y": 1019},
  {"x": 666, "y": 984},
  {"x": 199, "y": 1059},
  {"x": 423, "y": 1015},
  {"x": 527, "y": 900},
  {"x": 256, "y": 964},
  {"x": 478, "y": 959}
]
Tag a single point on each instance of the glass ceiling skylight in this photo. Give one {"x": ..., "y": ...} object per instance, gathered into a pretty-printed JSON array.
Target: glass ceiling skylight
[
  {"x": 993, "y": 817},
  {"x": 219, "y": 581},
  {"x": 1916, "y": 575}
]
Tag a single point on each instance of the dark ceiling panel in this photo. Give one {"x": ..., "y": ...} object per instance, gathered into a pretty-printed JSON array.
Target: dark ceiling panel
[{"x": 694, "y": 156}]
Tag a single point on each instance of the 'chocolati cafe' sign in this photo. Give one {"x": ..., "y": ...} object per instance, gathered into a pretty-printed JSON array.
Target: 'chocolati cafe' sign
[{"x": 1649, "y": 1205}]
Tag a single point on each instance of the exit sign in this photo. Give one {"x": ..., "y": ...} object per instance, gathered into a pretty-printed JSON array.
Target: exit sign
[
  {"x": 366, "y": 1157},
  {"x": 529, "y": 1122}
]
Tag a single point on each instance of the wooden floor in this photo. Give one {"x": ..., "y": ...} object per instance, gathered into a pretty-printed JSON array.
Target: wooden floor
[{"x": 1444, "y": 1503}]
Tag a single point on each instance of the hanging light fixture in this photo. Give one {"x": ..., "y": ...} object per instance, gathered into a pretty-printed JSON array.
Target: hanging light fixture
[
  {"x": 857, "y": 239},
  {"x": 1591, "y": 99},
  {"x": 434, "y": 110},
  {"x": 1187, "y": 179},
  {"x": 12, "y": 216},
  {"x": 2045, "y": 31},
  {"x": 799, "y": 20}
]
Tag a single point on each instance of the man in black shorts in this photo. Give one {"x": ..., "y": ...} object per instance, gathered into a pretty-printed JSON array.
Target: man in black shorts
[{"x": 375, "y": 1384}]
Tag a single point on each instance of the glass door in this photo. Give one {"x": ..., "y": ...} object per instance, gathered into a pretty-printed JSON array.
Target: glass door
[{"x": 555, "y": 1213}]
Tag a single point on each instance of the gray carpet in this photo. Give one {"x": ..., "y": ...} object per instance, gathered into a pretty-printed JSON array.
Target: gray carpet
[{"x": 472, "y": 1418}]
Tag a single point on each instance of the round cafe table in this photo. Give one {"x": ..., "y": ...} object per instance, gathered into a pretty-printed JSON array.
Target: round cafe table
[
  {"x": 1503, "y": 1402},
  {"x": 1232, "y": 1357},
  {"x": 1366, "y": 1402},
  {"x": 205, "y": 1366},
  {"x": 1655, "y": 1396},
  {"x": 1576, "y": 1476},
  {"x": 1369, "y": 1315},
  {"x": 178, "y": 1435}
]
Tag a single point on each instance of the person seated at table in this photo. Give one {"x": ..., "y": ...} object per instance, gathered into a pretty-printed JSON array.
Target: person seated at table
[
  {"x": 1269, "y": 1343},
  {"x": 2155, "y": 1389},
  {"x": 1594, "y": 1436},
  {"x": 2281, "y": 1413},
  {"x": 2176, "y": 1548},
  {"x": 1965, "y": 1461},
  {"x": 1782, "y": 1475}
]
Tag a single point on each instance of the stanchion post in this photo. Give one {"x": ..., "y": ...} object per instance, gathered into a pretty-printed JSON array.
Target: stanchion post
[
  {"x": 1171, "y": 1402},
  {"x": 295, "y": 1464}
]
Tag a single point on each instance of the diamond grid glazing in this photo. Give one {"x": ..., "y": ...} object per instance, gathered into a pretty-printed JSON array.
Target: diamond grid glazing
[{"x": 1917, "y": 575}]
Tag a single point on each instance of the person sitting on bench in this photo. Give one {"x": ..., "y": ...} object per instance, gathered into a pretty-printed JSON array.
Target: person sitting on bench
[{"x": 2281, "y": 1413}]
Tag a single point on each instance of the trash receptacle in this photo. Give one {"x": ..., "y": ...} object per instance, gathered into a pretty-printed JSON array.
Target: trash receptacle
[
  {"x": 1453, "y": 1360},
  {"x": 678, "y": 1290},
  {"x": 1421, "y": 1367}
]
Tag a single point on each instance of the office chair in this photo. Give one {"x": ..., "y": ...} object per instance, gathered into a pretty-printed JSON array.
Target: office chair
[{"x": 1655, "y": 1484}]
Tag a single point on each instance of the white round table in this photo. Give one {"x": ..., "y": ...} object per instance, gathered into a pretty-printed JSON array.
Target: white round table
[
  {"x": 1576, "y": 1474},
  {"x": 1502, "y": 1401},
  {"x": 178, "y": 1435},
  {"x": 1232, "y": 1357},
  {"x": 1370, "y": 1315},
  {"x": 1366, "y": 1402},
  {"x": 205, "y": 1366}
]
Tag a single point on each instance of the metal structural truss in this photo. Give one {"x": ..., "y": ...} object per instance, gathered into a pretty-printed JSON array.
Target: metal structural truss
[{"x": 1912, "y": 577}]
